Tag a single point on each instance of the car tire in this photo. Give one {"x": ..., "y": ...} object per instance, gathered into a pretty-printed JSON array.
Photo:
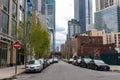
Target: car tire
[
  {"x": 88, "y": 67},
  {"x": 95, "y": 68}
]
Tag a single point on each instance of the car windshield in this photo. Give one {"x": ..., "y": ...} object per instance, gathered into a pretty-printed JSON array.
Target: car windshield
[
  {"x": 87, "y": 60},
  {"x": 31, "y": 62},
  {"x": 78, "y": 60},
  {"x": 40, "y": 61},
  {"x": 99, "y": 62},
  {"x": 55, "y": 58},
  {"x": 71, "y": 59}
]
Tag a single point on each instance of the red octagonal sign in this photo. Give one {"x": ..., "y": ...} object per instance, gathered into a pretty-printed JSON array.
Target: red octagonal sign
[{"x": 17, "y": 45}]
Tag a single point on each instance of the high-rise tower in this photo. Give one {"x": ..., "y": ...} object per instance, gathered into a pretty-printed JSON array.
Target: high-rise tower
[
  {"x": 107, "y": 16},
  {"x": 50, "y": 13},
  {"x": 83, "y": 13}
]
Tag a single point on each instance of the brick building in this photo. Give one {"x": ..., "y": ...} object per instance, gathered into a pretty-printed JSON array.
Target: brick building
[{"x": 87, "y": 45}]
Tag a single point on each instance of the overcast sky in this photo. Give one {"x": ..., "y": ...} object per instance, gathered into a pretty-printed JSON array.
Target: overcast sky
[{"x": 64, "y": 12}]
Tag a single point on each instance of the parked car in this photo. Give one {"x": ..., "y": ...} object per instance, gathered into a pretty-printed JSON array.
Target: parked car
[
  {"x": 44, "y": 63},
  {"x": 51, "y": 60},
  {"x": 70, "y": 60},
  {"x": 55, "y": 60},
  {"x": 34, "y": 66},
  {"x": 48, "y": 62},
  {"x": 78, "y": 62},
  {"x": 84, "y": 62},
  {"x": 65, "y": 60},
  {"x": 74, "y": 62},
  {"x": 98, "y": 65}
]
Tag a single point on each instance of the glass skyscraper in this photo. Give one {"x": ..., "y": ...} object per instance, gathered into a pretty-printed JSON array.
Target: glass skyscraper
[
  {"x": 83, "y": 13},
  {"x": 50, "y": 13},
  {"x": 73, "y": 28},
  {"x": 107, "y": 19},
  {"x": 107, "y": 16}
]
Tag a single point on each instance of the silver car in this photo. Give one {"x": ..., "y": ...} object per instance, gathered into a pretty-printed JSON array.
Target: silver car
[{"x": 34, "y": 66}]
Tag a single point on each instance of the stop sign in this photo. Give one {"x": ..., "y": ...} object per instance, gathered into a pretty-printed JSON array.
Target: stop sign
[{"x": 17, "y": 45}]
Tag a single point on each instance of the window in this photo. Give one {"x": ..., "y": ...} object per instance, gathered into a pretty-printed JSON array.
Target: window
[
  {"x": 14, "y": 25},
  {"x": 14, "y": 10},
  {"x": 15, "y": 1},
  {"x": 50, "y": 9},
  {"x": 111, "y": 2},
  {"x": 21, "y": 16},
  {"x": 5, "y": 5},
  {"x": 3, "y": 55},
  {"x": 43, "y": 7},
  {"x": 4, "y": 23},
  {"x": 22, "y": 3}
]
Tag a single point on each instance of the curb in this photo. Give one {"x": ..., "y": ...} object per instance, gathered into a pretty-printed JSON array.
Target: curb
[
  {"x": 116, "y": 71},
  {"x": 12, "y": 77}
]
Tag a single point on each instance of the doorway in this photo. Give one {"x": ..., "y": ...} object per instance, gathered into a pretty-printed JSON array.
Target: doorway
[{"x": 3, "y": 55}]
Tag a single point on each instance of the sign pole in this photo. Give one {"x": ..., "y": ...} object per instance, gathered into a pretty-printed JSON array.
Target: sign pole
[
  {"x": 16, "y": 46},
  {"x": 16, "y": 63}
]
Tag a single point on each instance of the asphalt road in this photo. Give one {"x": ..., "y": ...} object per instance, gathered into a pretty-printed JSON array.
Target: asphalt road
[{"x": 65, "y": 71}]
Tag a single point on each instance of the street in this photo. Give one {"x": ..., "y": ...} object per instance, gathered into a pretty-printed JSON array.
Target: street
[{"x": 65, "y": 71}]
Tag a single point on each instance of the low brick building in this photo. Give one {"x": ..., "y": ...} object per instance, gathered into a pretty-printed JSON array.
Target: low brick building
[
  {"x": 66, "y": 49},
  {"x": 87, "y": 45}
]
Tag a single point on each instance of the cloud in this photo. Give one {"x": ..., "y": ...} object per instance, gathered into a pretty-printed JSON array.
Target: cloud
[
  {"x": 60, "y": 39},
  {"x": 60, "y": 29},
  {"x": 64, "y": 12}
]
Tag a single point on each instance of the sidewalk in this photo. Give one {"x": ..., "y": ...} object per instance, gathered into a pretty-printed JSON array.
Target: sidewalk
[
  {"x": 115, "y": 68},
  {"x": 6, "y": 73}
]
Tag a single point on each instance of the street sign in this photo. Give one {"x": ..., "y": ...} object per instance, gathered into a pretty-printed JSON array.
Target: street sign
[
  {"x": 97, "y": 52},
  {"x": 17, "y": 45}
]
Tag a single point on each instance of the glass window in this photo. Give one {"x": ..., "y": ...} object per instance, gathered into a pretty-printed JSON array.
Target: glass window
[
  {"x": 21, "y": 16},
  {"x": 22, "y": 3},
  {"x": 14, "y": 10},
  {"x": 4, "y": 23},
  {"x": 50, "y": 9},
  {"x": 43, "y": 7},
  {"x": 5, "y": 5},
  {"x": 49, "y": 1},
  {"x": 14, "y": 26},
  {"x": 107, "y": 19},
  {"x": 15, "y": 1},
  {"x": 3, "y": 55}
]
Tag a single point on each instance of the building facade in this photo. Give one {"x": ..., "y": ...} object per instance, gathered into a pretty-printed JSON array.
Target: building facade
[
  {"x": 101, "y": 4},
  {"x": 107, "y": 16},
  {"x": 76, "y": 9},
  {"x": 108, "y": 38},
  {"x": 50, "y": 14},
  {"x": 83, "y": 13},
  {"x": 12, "y": 13},
  {"x": 44, "y": 10},
  {"x": 87, "y": 45},
  {"x": 73, "y": 28}
]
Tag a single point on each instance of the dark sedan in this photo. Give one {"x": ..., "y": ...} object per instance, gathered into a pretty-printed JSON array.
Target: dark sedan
[
  {"x": 84, "y": 62},
  {"x": 98, "y": 65}
]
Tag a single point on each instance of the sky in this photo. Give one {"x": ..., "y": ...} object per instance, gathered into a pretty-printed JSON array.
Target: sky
[{"x": 64, "y": 12}]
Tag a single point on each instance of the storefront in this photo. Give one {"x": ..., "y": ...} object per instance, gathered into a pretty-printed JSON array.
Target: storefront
[
  {"x": 7, "y": 53},
  {"x": 3, "y": 55}
]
